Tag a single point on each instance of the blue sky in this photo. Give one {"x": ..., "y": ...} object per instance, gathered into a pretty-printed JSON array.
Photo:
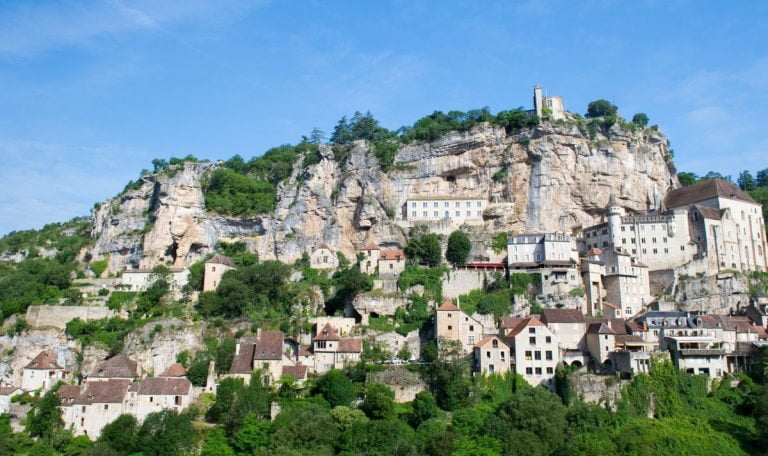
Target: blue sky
[{"x": 92, "y": 91}]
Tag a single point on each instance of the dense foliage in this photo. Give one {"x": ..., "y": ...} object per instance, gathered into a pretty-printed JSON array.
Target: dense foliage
[{"x": 458, "y": 248}]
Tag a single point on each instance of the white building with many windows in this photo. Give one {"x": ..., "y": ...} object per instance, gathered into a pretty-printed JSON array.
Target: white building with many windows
[
  {"x": 436, "y": 208},
  {"x": 552, "y": 255}
]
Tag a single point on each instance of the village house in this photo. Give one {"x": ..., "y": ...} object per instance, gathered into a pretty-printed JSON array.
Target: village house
[
  {"x": 551, "y": 255},
  {"x": 369, "y": 261},
  {"x": 215, "y": 268},
  {"x": 535, "y": 352},
  {"x": 453, "y": 324},
  {"x": 544, "y": 106},
  {"x": 169, "y": 391},
  {"x": 116, "y": 367},
  {"x": 266, "y": 352},
  {"x": 391, "y": 263},
  {"x": 6, "y": 394},
  {"x": 323, "y": 257},
  {"x": 626, "y": 283},
  {"x": 97, "y": 404},
  {"x": 592, "y": 273},
  {"x": 332, "y": 351},
  {"x": 451, "y": 208},
  {"x": 492, "y": 356},
  {"x": 42, "y": 373},
  {"x": 570, "y": 327}
]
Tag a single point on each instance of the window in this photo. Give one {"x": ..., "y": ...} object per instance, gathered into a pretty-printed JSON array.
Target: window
[
  {"x": 682, "y": 247},
  {"x": 655, "y": 251},
  {"x": 537, "y": 355},
  {"x": 479, "y": 204},
  {"x": 458, "y": 213},
  {"x": 413, "y": 204},
  {"x": 435, "y": 204},
  {"x": 548, "y": 355},
  {"x": 471, "y": 340},
  {"x": 528, "y": 355},
  {"x": 495, "y": 343},
  {"x": 469, "y": 204},
  {"x": 424, "y": 204},
  {"x": 106, "y": 406},
  {"x": 469, "y": 213},
  {"x": 531, "y": 330},
  {"x": 413, "y": 213},
  {"x": 528, "y": 371},
  {"x": 549, "y": 339},
  {"x": 538, "y": 371},
  {"x": 321, "y": 343},
  {"x": 550, "y": 370},
  {"x": 424, "y": 213},
  {"x": 532, "y": 340},
  {"x": 151, "y": 399},
  {"x": 450, "y": 327},
  {"x": 447, "y": 214},
  {"x": 458, "y": 204},
  {"x": 435, "y": 214},
  {"x": 177, "y": 400},
  {"x": 213, "y": 268}
]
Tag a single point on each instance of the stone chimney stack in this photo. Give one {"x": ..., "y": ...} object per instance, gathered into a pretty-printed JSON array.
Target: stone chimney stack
[{"x": 538, "y": 101}]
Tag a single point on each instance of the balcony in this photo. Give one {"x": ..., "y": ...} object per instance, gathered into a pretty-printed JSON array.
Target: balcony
[{"x": 702, "y": 351}]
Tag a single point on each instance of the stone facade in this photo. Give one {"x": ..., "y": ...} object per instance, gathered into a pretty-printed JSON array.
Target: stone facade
[
  {"x": 58, "y": 316},
  {"x": 214, "y": 270}
]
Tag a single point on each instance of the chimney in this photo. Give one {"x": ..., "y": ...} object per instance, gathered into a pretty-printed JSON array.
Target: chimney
[
  {"x": 237, "y": 349},
  {"x": 258, "y": 334}
]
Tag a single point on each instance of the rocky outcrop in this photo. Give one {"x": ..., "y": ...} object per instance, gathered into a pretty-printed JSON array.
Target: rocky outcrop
[
  {"x": 718, "y": 294},
  {"x": 377, "y": 304},
  {"x": 554, "y": 178},
  {"x": 17, "y": 351},
  {"x": 598, "y": 389}
]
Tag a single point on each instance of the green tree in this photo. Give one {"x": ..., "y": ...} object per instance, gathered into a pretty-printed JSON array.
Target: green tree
[
  {"x": 601, "y": 108},
  {"x": 336, "y": 388},
  {"x": 449, "y": 376},
  {"x": 746, "y": 181},
  {"x": 121, "y": 434},
  {"x": 45, "y": 418},
  {"x": 304, "y": 428},
  {"x": 164, "y": 433},
  {"x": 687, "y": 179},
  {"x": 762, "y": 178},
  {"x": 346, "y": 417},
  {"x": 253, "y": 434},
  {"x": 424, "y": 408},
  {"x": 379, "y": 402},
  {"x": 640, "y": 119},
  {"x": 424, "y": 249},
  {"x": 380, "y": 437},
  {"x": 404, "y": 353},
  {"x": 458, "y": 249},
  {"x": 235, "y": 401},
  {"x": 216, "y": 444}
]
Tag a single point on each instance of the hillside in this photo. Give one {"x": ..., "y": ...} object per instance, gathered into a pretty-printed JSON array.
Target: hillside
[{"x": 554, "y": 176}]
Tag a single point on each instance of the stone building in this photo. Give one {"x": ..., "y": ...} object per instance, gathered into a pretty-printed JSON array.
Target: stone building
[
  {"x": 626, "y": 282},
  {"x": 141, "y": 279},
  {"x": 6, "y": 394},
  {"x": 42, "y": 373},
  {"x": 215, "y": 268},
  {"x": 535, "y": 352},
  {"x": 323, "y": 257},
  {"x": 492, "y": 356},
  {"x": 391, "y": 263},
  {"x": 453, "y": 208},
  {"x": 332, "y": 351},
  {"x": 551, "y": 255},
  {"x": 266, "y": 352},
  {"x": 569, "y": 325},
  {"x": 552, "y": 106},
  {"x": 369, "y": 262},
  {"x": 726, "y": 225},
  {"x": 116, "y": 367},
  {"x": 453, "y": 324}
]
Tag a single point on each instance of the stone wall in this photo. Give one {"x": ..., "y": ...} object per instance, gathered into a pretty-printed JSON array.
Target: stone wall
[
  {"x": 598, "y": 389},
  {"x": 58, "y": 316},
  {"x": 404, "y": 383},
  {"x": 462, "y": 281}
]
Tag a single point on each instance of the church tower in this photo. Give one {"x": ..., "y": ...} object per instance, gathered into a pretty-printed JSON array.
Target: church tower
[{"x": 614, "y": 219}]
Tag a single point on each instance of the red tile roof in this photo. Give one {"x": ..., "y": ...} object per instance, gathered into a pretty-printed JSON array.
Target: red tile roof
[
  {"x": 349, "y": 345},
  {"x": 323, "y": 245},
  {"x": 704, "y": 190},
  {"x": 447, "y": 305},
  {"x": 304, "y": 350},
  {"x": 299, "y": 371},
  {"x": 221, "y": 259},
  {"x": 371, "y": 246},
  {"x": 327, "y": 333},
  {"x": 44, "y": 360},
  {"x": 242, "y": 363},
  {"x": 392, "y": 255},
  {"x": 118, "y": 366},
  {"x": 7, "y": 390},
  {"x": 165, "y": 386},
  {"x": 562, "y": 316},
  {"x": 174, "y": 370},
  {"x": 530, "y": 321},
  {"x": 487, "y": 339},
  {"x": 68, "y": 394},
  {"x": 509, "y": 322},
  {"x": 103, "y": 391},
  {"x": 269, "y": 346}
]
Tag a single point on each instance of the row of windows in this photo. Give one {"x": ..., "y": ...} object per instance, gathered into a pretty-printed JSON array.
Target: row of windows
[
  {"x": 446, "y": 214},
  {"x": 643, "y": 241},
  {"x": 530, "y": 371},
  {"x": 536, "y": 355},
  {"x": 435, "y": 204}
]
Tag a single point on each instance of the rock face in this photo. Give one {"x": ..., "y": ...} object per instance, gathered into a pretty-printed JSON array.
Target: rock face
[
  {"x": 17, "y": 351},
  {"x": 554, "y": 177},
  {"x": 718, "y": 294}
]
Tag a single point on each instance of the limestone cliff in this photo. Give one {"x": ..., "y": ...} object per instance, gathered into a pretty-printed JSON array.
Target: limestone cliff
[{"x": 554, "y": 177}]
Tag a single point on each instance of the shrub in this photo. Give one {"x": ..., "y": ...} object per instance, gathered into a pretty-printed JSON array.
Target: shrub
[
  {"x": 98, "y": 267},
  {"x": 640, "y": 119},
  {"x": 230, "y": 193},
  {"x": 601, "y": 108}
]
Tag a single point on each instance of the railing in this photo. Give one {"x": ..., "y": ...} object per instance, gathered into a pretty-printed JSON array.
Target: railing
[{"x": 702, "y": 351}]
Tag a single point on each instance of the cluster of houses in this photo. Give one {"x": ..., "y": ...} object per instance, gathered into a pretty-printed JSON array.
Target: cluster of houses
[{"x": 710, "y": 345}]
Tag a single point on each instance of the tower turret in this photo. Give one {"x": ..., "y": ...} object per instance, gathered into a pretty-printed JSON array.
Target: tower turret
[{"x": 614, "y": 219}]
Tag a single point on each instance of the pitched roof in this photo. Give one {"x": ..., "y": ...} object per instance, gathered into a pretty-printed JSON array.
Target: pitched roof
[
  {"x": 447, "y": 305},
  {"x": 269, "y": 346},
  {"x": 628, "y": 339},
  {"x": 118, "y": 366},
  {"x": 304, "y": 350},
  {"x": 168, "y": 386},
  {"x": 221, "y": 259},
  {"x": 7, "y": 390},
  {"x": 709, "y": 212},
  {"x": 350, "y": 345},
  {"x": 327, "y": 333},
  {"x": 705, "y": 190},
  {"x": 174, "y": 370},
  {"x": 371, "y": 246},
  {"x": 600, "y": 328},
  {"x": 242, "y": 363},
  {"x": 101, "y": 392},
  {"x": 46, "y": 359},
  {"x": 323, "y": 245},
  {"x": 487, "y": 339},
  {"x": 562, "y": 316},
  {"x": 68, "y": 393},
  {"x": 392, "y": 255},
  {"x": 530, "y": 321},
  {"x": 299, "y": 371},
  {"x": 509, "y": 322}
]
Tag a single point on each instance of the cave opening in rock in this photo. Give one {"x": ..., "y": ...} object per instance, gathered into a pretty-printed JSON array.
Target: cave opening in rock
[{"x": 171, "y": 251}]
